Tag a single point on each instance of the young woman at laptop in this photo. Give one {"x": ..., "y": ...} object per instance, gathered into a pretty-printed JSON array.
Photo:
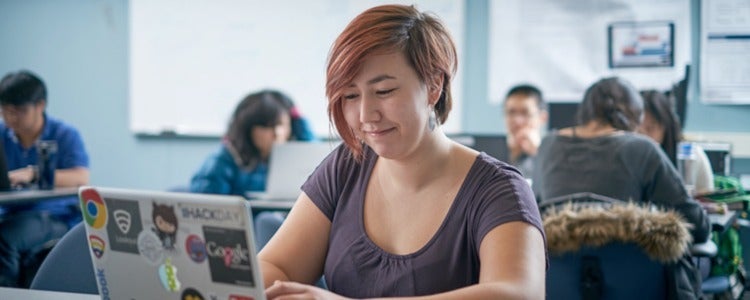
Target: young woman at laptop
[
  {"x": 240, "y": 165},
  {"x": 399, "y": 209}
]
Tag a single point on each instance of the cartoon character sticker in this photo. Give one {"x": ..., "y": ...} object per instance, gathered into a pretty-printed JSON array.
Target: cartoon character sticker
[
  {"x": 165, "y": 224},
  {"x": 191, "y": 294}
]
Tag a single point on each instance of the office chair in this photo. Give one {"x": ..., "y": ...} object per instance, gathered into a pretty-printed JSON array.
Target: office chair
[
  {"x": 68, "y": 266},
  {"x": 603, "y": 248}
]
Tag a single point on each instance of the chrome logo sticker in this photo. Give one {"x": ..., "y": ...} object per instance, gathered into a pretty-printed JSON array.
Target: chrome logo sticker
[{"x": 94, "y": 210}]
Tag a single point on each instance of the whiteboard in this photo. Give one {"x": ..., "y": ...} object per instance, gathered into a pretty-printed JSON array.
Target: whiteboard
[
  {"x": 561, "y": 46},
  {"x": 192, "y": 61},
  {"x": 725, "y": 52}
]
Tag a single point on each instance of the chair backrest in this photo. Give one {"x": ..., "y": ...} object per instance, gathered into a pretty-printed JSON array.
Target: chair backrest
[
  {"x": 603, "y": 248},
  {"x": 68, "y": 266},
  {"x": 613, "y": 271}
]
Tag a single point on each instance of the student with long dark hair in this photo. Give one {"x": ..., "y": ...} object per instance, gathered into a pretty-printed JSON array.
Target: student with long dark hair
[
  {"x": 661, "y": 124},
  {"x": 259, "y": 121}
]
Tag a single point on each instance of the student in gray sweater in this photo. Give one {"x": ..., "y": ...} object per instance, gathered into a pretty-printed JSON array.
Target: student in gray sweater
[{"x": 606, "y": 157}]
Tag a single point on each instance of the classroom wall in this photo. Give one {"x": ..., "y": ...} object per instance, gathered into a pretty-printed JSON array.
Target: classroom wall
[{"x": 80, "y": 48}]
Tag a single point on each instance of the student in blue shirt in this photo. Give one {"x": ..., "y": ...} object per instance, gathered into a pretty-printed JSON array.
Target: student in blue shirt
[
  {"x": 26, "y": 228},
  {"x": 259, "y": 121},
  {"x": 240, "y": 165}
]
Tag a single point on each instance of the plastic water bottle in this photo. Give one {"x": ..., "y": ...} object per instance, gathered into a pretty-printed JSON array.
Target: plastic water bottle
[
  {"x": 685, "y": 164},
  {"x": 46, "y": 162}
]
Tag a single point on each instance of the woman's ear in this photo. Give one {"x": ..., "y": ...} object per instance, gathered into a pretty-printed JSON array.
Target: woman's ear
[{"x": 435, "y": 89}]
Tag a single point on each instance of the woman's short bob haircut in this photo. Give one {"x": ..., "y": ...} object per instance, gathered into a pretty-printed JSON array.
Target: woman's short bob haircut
[
  {"x": 424, "y": 40},
  {"x": 614, "y": 102}
]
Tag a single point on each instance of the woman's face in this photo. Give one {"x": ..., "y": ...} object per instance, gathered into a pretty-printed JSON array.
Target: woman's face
[
  {"x": 386, "y": 105},
  {"x": 265, "y": 137},
  {"x": 650, "y": 127}
]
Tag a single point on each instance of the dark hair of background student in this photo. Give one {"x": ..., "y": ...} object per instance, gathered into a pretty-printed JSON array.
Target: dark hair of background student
[
  {"x": 528, "y": 90},
  {"x": 660, "y": 107},
  {"x": 261, "y": 109},
  {"x": 422, "y": 38},
  {"x": 614, "y": 102},
  {"x": 22, "y": 88}
]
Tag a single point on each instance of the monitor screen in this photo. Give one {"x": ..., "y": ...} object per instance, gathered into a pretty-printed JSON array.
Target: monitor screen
[
  {"x": 562, "y": 115},
  {"x": 641, "y": 44},
  {"x": 719, "y": 155}
]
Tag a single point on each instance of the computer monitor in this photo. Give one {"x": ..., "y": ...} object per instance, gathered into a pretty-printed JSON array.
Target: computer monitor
[
  {"x": 562, "y": 115},
  {"x": 679, "y": 92},
  {"x": 719, "y": 154},
  {"x": 494, "y": 145}
]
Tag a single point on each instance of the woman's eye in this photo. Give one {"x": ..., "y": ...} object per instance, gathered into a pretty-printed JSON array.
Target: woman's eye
[
  {"x": 385, "y": 92},
  {"x": 350, "y": 96}
]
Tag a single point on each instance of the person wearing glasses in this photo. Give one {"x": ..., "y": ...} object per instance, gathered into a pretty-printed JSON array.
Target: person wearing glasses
[{"x": 526, "y": 115}]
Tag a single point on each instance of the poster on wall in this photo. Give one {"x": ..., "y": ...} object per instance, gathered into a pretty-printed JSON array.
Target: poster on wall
[{"x": 641, "y": 44}]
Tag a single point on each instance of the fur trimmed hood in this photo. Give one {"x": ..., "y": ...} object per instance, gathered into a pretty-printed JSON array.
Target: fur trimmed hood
[{"x": 663, "y": 235}]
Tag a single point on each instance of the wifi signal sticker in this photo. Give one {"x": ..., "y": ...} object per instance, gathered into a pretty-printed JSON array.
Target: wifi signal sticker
[
  {"x": 94, "y": 210},
  {"x": 124, "y": 225},
  {"x": 97, "y": 246},
  {"x": 122, "y": 219}
]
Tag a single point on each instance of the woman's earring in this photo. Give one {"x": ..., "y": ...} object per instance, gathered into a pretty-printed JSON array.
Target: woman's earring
[{"x": 432, "y": 120}]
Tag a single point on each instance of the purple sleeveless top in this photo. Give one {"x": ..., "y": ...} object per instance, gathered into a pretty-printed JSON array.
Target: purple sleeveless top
[{"x": 493, "y": 193}]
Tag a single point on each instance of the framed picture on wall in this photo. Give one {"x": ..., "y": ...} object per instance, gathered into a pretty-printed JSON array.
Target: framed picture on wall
[{"x": 641, "y": 44}]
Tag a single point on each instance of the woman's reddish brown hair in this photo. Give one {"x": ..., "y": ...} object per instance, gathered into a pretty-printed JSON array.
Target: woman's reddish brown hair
[{"x": 383, "y": 29}]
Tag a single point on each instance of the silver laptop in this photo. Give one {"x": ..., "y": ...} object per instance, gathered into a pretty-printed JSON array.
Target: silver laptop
[
  {"x": 159, "y": 245},
  {"x": 289, "y": 166}
]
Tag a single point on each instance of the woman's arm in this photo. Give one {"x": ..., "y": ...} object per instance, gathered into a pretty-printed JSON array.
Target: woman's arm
[
  {"x": 664, "y": 187},
  {"x": 298, "y": 250},
  {"x": 513, "y": 263}
]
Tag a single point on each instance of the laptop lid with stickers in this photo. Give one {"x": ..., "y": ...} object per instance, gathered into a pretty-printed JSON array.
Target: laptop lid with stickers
[{"x": 160, "y": 245}]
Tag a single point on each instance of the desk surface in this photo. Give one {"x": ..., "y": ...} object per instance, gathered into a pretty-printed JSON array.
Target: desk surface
[
  {"x": 260, "y": 205},
  {"x": 721, "y": 222},
  {"x": 13, "y": 293},
  {"x": 29, "y": 196}
]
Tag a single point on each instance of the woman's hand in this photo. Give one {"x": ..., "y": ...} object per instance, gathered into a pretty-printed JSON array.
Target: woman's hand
[{"x": 292, "y": 290}]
